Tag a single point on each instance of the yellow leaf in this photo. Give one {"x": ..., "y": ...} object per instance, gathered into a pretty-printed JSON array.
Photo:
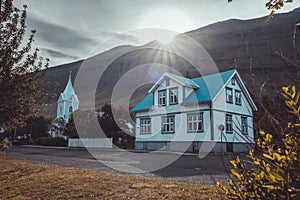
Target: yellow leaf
[
  {"x": 267, "y": 156},
  {"x": 262, "y": 133},
  {"x": 233, "y": 163},
  {"x": 293, "y": 92},
  {"x": 277, "y": 156},
  {"x": 236, "y": 174},
  {"x": 286, "y": 89}
]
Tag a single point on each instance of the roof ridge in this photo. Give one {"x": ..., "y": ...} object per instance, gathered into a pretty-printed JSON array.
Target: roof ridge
[{"x": 227, "y": 71}]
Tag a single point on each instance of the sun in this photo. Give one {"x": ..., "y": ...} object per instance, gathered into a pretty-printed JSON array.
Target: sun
[{"x": 172, "y": 20}]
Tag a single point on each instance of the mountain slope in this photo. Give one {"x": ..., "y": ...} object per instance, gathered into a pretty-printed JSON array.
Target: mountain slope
[{"x": 248, "y": 45}]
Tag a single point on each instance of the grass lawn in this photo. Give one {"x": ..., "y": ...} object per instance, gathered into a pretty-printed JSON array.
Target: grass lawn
[{"x": 24, "y": 180}]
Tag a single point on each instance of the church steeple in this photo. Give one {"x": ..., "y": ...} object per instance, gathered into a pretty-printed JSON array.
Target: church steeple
[
  {"x": 67, "y": 101},
  {"x": 69, "y": 90}
]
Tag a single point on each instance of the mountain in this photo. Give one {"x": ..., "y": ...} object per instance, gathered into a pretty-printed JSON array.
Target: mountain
[{"x": 250, "y": 46}]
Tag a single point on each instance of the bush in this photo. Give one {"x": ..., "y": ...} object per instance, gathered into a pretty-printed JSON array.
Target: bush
[
  {"x": 274, "y": 171},
  {"x": 51, "y": 141}
]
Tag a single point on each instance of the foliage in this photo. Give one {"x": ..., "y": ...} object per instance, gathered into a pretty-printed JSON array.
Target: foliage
[
  {"x": 5, "y": 143},
  {"x": 114, "y": 130},
  {"x": 51, "y": 141},
  {"x": 84, "y": 121},
  {"x": 70, "y": 129},
  {"x": 274, "y": 5},
  {"x": 35, "y": 127},
  {"x": 20, "y": 67},
  {"x": 275, "y": 169},
  {"x": 59, "y": 125},
  {"x": 20, "y": 93}
]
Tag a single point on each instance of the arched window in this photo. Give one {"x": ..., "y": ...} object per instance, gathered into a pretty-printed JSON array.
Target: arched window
[{"x": 70, "y": 109}]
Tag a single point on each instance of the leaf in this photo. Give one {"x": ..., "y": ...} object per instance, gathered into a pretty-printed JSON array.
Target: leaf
[
  {"x": 236, "y": 174},
  {"x": 268, "y": 156}
]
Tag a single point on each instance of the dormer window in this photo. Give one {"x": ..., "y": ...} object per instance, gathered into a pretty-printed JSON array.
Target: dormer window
[
  {"x": 233, "y": 81},
  {"x": 162, "y": 97},
  {"x": 173, "y": 96}
]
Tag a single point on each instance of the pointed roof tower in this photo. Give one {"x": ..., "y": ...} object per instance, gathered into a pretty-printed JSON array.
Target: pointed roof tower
[{"x": 69, "y": 90}]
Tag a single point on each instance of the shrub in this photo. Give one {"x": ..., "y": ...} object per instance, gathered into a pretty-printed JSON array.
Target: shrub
[
  {"x": 51, "y": 141},
  {"x": 274, "y": 172}
]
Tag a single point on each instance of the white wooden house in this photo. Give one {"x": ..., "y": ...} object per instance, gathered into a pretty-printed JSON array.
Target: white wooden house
[{"x": 186, "y": 114}]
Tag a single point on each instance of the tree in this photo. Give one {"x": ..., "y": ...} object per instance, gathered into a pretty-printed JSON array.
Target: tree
[
  {"x": 71, "y": 130},
  {"x": 274, "y": 171},
  {"x": 59, "y": 125},
  {"x": 35, "y": 127},
  {"x": 20, "y": 69},
  {"x": 115, "y": 130},
  {"x": 274, "y": 5}
]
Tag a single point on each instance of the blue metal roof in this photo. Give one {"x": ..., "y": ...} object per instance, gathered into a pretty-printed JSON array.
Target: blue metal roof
[{"x": 208, "y": 88}]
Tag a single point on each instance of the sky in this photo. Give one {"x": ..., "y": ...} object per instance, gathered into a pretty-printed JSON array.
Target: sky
[{"x": 69, "y": 30}]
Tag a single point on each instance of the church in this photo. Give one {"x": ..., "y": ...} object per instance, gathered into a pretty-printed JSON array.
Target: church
[{"x": 66, "y": 104}]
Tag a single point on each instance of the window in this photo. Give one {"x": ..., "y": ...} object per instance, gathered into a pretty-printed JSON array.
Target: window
[
  {"x": 228, "y": 122},
  {"x": 70, "y": 109},
  {"x": 145, "y": 126},
  {"x": 228, "y": 95},
  {"x": 238, "y": 97},
  {"x": 167, "y": 82},
  {"x": 173, "y": 95},
  {"x": 244, "y": 126},
  {"x": 233, "y": 81},
  {"x": 168, "y": 124},
  {"x": 195, "y": 122},
  {"x": 162, "y": 98},
  {"x": 61, "y": 109}
]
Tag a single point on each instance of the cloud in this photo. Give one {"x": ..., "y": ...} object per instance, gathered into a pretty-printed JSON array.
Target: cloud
[
  {"x": 58, "y": 54},
  {"x": 60, "y": 36},
  {"x": 121, "y": 36}
]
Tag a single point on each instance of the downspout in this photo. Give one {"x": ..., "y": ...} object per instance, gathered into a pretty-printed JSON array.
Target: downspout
[{"x": 211, "y": 121}]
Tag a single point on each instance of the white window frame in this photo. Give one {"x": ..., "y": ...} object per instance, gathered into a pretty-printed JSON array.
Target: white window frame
[
  {"x": 195, "y": 122},
  {"x": 173, "y": 96},
  {"x": 168, "y": 124},
  {"x": 228, "y": 123},
  {"x": 238, "y": 99},
  {"x": 162, "y": 97},
  {"x": 244, "y": 125},
  {"x": 229, "y": 95},
  {"x": 145, "y": 126}
]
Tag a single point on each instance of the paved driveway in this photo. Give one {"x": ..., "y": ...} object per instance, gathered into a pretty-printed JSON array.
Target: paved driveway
[{"x": 187, "y": 168}]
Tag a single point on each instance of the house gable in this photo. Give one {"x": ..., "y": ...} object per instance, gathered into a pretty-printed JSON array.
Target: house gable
[
  {"x": 235, "y": 83},
  {"x": 191, "y": 91},
  {"x": 179, "y": 79}
]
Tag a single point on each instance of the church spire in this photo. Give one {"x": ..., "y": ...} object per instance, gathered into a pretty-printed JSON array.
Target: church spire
[
  {"x": 67, "y": 101},
  {"x": 69, "y": 90}
]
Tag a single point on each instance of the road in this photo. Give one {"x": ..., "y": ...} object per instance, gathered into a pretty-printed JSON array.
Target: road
[{"x": 187, "y": 168}]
